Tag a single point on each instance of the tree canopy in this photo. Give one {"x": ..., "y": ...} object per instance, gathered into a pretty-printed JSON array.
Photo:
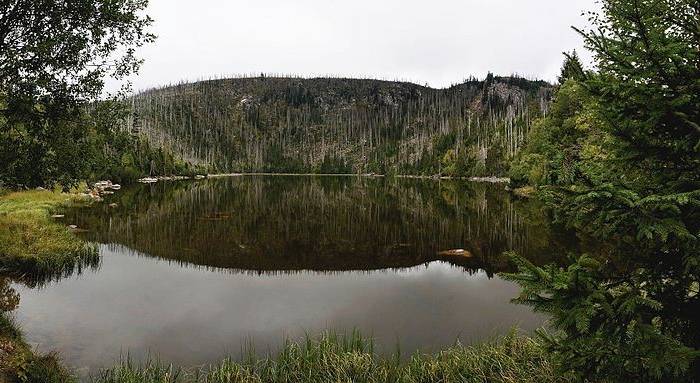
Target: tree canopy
[
  {"x": 572, "y": 68},
  {"x": 65, "y": 49},
  {"x": 54, "y": 58}
]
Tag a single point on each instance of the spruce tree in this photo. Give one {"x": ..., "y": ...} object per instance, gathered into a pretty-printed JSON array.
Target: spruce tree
[
  {"x": 572, "y": 68},
  {"x": 628, "y": 311}
]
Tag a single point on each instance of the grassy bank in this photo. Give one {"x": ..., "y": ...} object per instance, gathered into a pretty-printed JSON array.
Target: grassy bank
[
  {"x": 34, "y": 243},
  {"x": 34, "y": 247},
  {"x": 331, "y": 358},
  {"x": 19, "y": 363}
]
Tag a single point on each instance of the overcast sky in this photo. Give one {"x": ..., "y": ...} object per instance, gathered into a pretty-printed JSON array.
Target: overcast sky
[{"x": 439, "y": 42}]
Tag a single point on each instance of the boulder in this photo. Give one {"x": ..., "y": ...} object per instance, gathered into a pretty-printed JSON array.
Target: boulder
[{"x": 455, "y": 253}]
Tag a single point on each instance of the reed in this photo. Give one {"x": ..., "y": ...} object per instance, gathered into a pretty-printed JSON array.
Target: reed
[
  {"x": 351, "y": 358},
  {"x": 153, "y": 371}
]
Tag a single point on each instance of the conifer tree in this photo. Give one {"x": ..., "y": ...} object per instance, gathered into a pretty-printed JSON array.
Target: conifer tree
[
  {"x": 572, "y": 68},
  {"x": 629, "y": 313}
]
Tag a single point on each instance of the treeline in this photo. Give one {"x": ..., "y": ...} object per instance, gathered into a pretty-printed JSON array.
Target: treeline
[
  {"x": 89, "y": 144},
  {"x": 335, "y": 125}
]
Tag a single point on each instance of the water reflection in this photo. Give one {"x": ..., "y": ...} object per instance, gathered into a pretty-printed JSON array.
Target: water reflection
[
  {"x": 192, "y": 271},
  {"x": 9, "y": 298},
  {"x": 320, "y": 223},
  {"x": 191, "y": 316}
]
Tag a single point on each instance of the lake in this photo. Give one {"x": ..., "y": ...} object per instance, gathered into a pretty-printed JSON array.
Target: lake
[{"x": 193, "y": 271}]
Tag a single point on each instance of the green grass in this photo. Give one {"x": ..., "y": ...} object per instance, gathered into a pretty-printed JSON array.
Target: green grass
[
  {"x": 333, "y": 358},
  {"x": 33, "y": 248},
  {"x": 33, "y": 243}
]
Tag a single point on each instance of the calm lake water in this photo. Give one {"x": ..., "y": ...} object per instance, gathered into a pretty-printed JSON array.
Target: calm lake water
[{"x": 192, "y": 271}]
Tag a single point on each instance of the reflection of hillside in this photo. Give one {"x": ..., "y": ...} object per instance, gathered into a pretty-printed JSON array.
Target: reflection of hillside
[{"x": 322, "y": 223}]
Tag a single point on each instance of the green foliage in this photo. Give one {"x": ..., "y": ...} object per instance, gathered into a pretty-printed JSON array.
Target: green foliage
[
  {"x": 34, "y": 244},
  {"x": 572, "y": 68},
  {"x": 607, "y": 328},
  {"x": 530, "y": 169},
  {"x": 622, "y": 165},
  {"x": 61, "y": 52},
  {"x": 647, "y": 55},
  {"x": 94, "y": 145},
  {"x": 55, "y": 57},
  {"x": 121, "y": 156},
  {"x": 567, "y": 144},
  {"x": 46, "y": 151},
  {"x": 351, "y": 358}
]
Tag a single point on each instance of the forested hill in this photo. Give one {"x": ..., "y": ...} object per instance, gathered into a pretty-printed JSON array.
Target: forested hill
[{"x": 335, "y": 125}]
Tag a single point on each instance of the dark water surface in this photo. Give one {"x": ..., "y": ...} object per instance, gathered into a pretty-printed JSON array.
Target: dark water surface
[{"x": 193, "y": 271}]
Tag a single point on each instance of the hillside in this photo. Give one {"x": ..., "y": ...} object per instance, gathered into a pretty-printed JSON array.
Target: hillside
[{"x": 335, "y": 125}]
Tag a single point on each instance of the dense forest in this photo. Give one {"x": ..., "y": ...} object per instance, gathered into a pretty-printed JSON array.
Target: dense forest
[
  {"x": 88, "y": 146},
  {"x": 336, "y": 125},
  {"x": 275, "y": 124}
]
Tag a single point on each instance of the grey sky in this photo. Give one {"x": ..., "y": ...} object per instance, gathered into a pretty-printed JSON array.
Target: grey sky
[{"x": 439, "y": 42}]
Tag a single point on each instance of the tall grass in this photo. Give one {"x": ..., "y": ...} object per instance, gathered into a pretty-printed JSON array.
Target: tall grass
[
  {"x": 152, "y": 372},
  {"x": 351, "y": 358},
  {"x": 33, "y": 243}
]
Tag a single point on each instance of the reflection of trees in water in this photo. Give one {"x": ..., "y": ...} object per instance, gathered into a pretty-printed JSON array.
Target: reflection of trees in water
[
  {"x": 89, "y": 260},
  {"x": 9, "y": 298},
  {"x": 114, "y": 247},
  {"x": 319, "y": 223}
]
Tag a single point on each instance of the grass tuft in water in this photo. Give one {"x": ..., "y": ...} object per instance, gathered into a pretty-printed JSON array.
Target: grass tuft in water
[
  {"x": 351, "y": 358},
  {"x": 152, "y": 371}
]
